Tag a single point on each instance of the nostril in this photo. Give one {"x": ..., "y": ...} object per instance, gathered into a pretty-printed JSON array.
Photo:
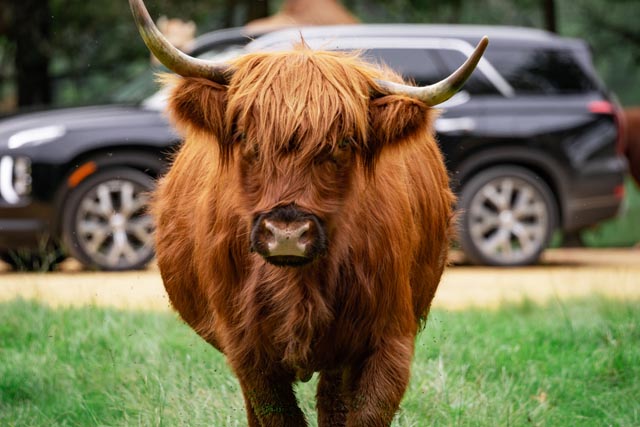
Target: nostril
[
  {"x": 305, "y": 237},
  {"x": 271, "y": 227},
  {"x": 286, "y": 231},
  {"x": 303, "y": 229},
  {"x": 285, "y": 238}
]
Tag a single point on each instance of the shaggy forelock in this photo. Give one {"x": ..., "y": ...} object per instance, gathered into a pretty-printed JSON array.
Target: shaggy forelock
[{"x": 305, "y": 101}]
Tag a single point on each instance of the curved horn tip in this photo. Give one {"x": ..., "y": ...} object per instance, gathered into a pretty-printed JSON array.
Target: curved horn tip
[{"x": 483, "y": 43}]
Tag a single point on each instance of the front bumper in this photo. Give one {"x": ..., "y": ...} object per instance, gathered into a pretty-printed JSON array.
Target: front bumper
[
  {"x": 25, "y": 226},
  {"x": 24, "y": 223}
]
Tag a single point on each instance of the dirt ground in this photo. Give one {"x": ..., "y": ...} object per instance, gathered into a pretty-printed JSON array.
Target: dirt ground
[{"x": 563, "y": 274}]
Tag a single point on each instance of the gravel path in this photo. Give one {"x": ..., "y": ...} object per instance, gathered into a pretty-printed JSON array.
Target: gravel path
[{"x": 564, "y": 274}]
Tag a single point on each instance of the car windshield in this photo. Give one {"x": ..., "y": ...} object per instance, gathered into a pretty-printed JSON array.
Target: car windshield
[
  {"x": 144, "y": 85},
  {"x": 138, "y": 88}
]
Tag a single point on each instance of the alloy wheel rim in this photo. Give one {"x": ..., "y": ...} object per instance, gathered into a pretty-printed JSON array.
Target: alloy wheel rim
[
  {"x": 508, "y": 220},
  {"x": 113, "y": 226}
]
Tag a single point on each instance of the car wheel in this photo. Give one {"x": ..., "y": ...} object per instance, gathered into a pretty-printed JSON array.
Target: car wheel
[
  {"x": 106, "y": 224},
  {"x": 508, "y": 215}
]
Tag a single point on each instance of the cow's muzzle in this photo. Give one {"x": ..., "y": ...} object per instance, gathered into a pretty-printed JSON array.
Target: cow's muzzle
[{"x": 287, "y": 236}]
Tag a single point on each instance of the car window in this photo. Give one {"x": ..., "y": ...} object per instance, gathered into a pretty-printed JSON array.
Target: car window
[
  {"x": 414, "y": 64},
  {"x": 138, "y": 88},
  {"x": 541, "y": 71}
]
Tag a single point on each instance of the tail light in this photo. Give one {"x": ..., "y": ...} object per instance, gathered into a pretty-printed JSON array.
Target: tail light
[
  {"x": 611, "y": 109},
  {"x": 618, "y": 192}
]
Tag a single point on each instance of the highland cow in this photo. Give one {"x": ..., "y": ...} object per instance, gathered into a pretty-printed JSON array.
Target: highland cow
[{"x": 304, "y": 224}]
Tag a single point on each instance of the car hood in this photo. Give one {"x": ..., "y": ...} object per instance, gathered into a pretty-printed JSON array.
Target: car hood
[{"x": 68, "y": 120}]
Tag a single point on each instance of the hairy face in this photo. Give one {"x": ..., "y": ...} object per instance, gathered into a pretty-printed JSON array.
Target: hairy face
[
  {"x": 299, "y": 124},
  {"x": 295, "y": 128}
]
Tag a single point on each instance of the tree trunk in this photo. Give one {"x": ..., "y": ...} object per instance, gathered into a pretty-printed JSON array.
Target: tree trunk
[
  {"x": 550, "y": 20},
  {"x": 238, "y": 12},
  {"x": 30, "y": 29},
  {"x": 456, "y": 11},
  {"x": 229, "y": 13},
  {"x": 257, "y": 9}
]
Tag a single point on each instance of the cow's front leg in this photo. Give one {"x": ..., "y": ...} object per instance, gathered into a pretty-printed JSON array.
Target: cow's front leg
[
  {"x": 270, "y": 401},
  {"x": 378, "y": 385},
  {"x": 331, "y": 400}
]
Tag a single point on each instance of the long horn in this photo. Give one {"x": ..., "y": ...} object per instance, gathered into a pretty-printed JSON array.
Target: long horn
[
  {"x": 169, "y": 55},
  {"x": 439, "y": 92}
]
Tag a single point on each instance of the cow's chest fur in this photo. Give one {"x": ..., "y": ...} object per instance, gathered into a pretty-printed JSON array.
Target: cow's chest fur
[{"x": 294, "y": 318}]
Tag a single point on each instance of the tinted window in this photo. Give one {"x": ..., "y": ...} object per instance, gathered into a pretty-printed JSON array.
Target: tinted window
[
  {"x": 427, "y": 66},
  {"x": 541, "y": 71},
  {"x": 418, "y": 65}
]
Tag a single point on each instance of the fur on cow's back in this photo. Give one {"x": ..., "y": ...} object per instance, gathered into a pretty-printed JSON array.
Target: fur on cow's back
[{"x": 378, "y": 277}]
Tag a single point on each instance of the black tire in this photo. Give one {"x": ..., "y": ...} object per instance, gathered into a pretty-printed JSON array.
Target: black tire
[
  {"x": 508, "y": 215},
  {"x": 105, "y": 222}
]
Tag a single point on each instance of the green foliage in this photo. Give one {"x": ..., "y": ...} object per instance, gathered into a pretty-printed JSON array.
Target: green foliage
[
  {"x": 96, "y": 46},
  {"x": 573, "y": 364},
  {"x": 611, "y": 29},
  {"x": 492, "y": 12}
]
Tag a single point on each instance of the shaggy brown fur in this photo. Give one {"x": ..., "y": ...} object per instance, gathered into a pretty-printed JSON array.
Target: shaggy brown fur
[
  {"x": 632, "y": 143},
  {"x": 301, "y": 127}
]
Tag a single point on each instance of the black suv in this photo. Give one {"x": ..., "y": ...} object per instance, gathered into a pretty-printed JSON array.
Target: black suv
[{"x": 532, "y": 144}]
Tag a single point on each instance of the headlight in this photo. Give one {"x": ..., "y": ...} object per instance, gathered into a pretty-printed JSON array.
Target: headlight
[
  {"x": 15, "y": 178},
  {"x": 36, "y": 136}
]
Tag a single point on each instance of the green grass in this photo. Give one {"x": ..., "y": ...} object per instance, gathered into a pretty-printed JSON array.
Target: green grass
[{"x": 565, "y": 364}]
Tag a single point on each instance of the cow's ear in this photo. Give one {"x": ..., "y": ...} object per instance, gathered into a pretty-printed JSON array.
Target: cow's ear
[
  {"x": 395, "y": 119},
  {"x": 197, "y": 104}
]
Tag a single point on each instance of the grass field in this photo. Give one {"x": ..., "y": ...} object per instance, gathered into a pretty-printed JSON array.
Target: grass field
[{"x": 564, "y": 364}]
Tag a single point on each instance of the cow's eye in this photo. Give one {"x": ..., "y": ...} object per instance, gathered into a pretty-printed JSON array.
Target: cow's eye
[
  {"x": 344, "y": 143},
  {"x": 343, "y": 152}
]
